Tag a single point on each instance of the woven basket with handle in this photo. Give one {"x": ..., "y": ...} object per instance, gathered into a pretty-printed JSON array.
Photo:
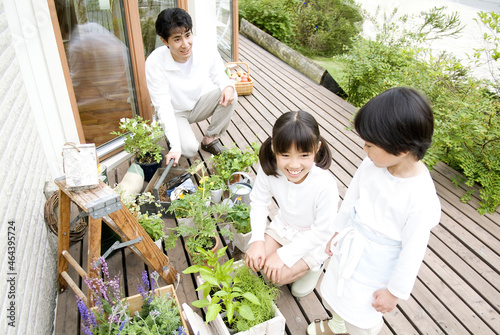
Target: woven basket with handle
[{"x": 242, "y": 88}]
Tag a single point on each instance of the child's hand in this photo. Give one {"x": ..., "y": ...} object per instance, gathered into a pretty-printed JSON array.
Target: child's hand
[
  {"x": 384, "y": 301},
  {"x": 255, "y": 257},
  {"x": 329, "y": 245},
  {"x": 273, "y": 267}
]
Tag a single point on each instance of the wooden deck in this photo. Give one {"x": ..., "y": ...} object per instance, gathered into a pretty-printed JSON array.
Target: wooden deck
[{"x": 457, "y": 290}]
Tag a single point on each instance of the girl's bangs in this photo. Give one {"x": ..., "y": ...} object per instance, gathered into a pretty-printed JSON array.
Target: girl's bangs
[{"x": 294, "y": 134}]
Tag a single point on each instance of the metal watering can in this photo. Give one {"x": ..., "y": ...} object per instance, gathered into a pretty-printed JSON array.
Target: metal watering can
[{"x": 240, "y": 191}]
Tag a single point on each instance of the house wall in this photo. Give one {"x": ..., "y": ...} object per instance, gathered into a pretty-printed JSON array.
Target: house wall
[{"x": 31, "y": 131}]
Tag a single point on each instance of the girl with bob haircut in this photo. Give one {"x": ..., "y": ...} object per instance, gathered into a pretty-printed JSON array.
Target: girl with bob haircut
[
  {"x": 294, "y": 164},
  {"x": 383, "y": 226}
]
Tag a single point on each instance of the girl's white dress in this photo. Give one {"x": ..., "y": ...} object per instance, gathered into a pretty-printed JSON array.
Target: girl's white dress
[
  {"x": 384, "y": 225},
  {"x": 306, "y": 212}
]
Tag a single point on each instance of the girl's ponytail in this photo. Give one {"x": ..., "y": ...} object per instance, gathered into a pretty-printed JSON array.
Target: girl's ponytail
[
  {"x": 267, "y": 158},
  {"x": 323, "y": 158}
]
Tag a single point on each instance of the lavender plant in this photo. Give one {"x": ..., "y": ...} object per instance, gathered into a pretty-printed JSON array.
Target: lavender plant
[{"x": 159, "y": 313}]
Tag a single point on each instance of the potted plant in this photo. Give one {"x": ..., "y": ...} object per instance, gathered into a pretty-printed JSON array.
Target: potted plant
[
  {"x": 231, "y": 289},
  {"x": 235, "y": 160},
  {"x": 238, "y": 216},
  {"x": 216, "y": 185},
  {"x": 153, "y": 225},
  {"x": 142, "y": 139},
  {"x": 154, "y": 311},
  {"x": 151, "y": 222},
  {"x": 203, "y": 231}
]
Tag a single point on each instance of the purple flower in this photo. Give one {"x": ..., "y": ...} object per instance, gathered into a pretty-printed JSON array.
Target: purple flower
[
  {"x": 104, "y": 268},
  {"x": 88, "y": 318},
  {"x": 145, "y": 280},
  {"x": 154, "y": 283},
  {"x": 124, "y": 322}
]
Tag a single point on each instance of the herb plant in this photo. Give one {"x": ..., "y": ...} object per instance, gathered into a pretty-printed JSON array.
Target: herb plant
[
  {"x": 142, "y": 139},
  {"x": 207, "y": 221},
  {"x": 226, "y": 294},
  {"x": 234, "y": 289},
  {"x": 239, "y": 217},
  {"x": 159, "y": 314},
  {"x": 235, "y": 160}
]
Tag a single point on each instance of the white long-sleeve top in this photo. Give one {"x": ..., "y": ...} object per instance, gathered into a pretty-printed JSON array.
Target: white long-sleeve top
[
  {"x": 402, "y": 209},
  {"x": 309, "y": 207},
  {"x": 172, "y": 91}
]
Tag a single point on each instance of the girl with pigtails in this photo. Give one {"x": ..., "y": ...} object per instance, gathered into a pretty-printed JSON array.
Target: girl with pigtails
[{"x": 294, "y": 164}]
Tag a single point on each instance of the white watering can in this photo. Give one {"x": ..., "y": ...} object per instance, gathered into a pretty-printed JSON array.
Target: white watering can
[{"x": 240, "y": 191}]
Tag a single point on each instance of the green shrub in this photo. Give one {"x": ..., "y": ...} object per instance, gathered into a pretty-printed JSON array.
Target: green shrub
[
  {"x": 272, "y": 16},
  {"x": 326, "y": 27},
  {"x": 467, "y": 118}
]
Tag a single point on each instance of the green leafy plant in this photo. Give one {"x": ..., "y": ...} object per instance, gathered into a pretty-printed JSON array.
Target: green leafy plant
[
  {"x": 230, "y": 292},
  {"x": 207, "y": 221},
  {"x": 239, "y": 217},
  {"x": 142, "y": 139},
  {"x": 273, "y": 16},
  {"x": 235, "y": 160},
  {"x": 214, "y": 182},
  {"x": 326, "y": 27},
  {"x": 152, "y": 224}
]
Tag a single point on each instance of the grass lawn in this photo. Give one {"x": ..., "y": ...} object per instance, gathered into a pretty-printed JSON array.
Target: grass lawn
[{"x": 334, "y": 66}]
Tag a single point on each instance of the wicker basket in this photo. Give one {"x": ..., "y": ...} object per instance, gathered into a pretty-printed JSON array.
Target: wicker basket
[{"x": 243, "y": 88}]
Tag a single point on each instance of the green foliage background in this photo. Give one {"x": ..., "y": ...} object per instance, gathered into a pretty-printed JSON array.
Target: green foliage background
[
  {"x": 466, "y": 109},
  {"x": 313, "y": 27}
]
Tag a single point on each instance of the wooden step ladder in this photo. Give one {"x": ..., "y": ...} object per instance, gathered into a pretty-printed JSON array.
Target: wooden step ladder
[{"x": 103, "y": 204}]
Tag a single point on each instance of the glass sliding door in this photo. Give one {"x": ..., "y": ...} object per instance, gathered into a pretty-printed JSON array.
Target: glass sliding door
[
  {"x": 148, "y": 12},
  {"x": 224, "y": 26},
  {"x": 97, "y": 50}
]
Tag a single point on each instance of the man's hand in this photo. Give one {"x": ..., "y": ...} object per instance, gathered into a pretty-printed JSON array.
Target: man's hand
[
  {"x": 255, "y": 257},
  {"x": 227, "y": 96},
  {"x": 384, "y": 301},
  {"x": 273, "y": 267},
  {"x": 173, "y": 155}
]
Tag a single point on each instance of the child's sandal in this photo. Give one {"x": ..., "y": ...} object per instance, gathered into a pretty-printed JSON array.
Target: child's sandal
[{"x": 318, "y": 327}]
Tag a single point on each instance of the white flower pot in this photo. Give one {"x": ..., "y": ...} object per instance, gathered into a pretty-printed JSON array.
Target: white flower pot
[
  {"x": 240, "y": 240},
  {"x": 158, "y": 243},
  {"x": 216, "y": 195}
]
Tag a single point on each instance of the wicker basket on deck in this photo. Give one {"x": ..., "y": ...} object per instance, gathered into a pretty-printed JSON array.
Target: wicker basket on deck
[{"x": 246, "y": 87}]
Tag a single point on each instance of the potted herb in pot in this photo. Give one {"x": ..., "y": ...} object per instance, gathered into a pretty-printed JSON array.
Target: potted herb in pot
[
  {"x": 233, "y": 290},
  {"x": 216, "y": 185},
  {"x": 238, "y": 216},
  {"x": 142, "y": 139},
  {"x": 151, "y": 222},
  {"x": 235, "y": 160},
  {"x": 204, "y": 231}
]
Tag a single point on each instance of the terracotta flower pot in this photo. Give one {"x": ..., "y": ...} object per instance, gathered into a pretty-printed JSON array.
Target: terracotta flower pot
[{"x": 214, "y": 249}]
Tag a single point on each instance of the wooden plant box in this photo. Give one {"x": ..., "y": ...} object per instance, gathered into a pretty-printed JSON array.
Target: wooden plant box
[
  {"x": 135, "y": 303},
  {"x": 274, "y": 326}
]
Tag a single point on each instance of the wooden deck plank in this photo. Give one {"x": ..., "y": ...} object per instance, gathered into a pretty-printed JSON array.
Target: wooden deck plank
[{"x": 447, "y": 287}]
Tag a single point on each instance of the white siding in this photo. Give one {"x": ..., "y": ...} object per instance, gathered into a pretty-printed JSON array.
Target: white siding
[{"x": 24, "y": 169}]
